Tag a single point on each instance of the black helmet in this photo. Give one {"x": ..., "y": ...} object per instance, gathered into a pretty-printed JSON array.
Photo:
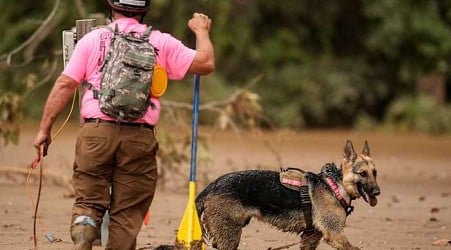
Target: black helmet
[{"x": 133, "y": 6}]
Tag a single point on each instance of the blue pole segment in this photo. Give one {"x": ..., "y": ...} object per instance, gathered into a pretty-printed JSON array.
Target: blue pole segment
[{"x": 195, "y": 125}]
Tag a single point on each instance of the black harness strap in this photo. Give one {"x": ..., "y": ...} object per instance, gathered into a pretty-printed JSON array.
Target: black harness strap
[{"x": 307, "y": 209}]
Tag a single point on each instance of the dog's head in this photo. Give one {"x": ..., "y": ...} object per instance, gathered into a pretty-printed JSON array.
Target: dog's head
[{"x": 359, "y": 174}]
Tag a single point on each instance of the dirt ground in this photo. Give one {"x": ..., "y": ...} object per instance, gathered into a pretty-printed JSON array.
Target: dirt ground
[{"x": 413, "y": 211}]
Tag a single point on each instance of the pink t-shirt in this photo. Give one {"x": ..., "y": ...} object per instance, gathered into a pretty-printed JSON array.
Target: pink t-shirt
[{"x": 90, "y": 51}]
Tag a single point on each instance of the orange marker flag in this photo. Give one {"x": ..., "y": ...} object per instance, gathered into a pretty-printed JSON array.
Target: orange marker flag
[{"x": 147, "y": 218}]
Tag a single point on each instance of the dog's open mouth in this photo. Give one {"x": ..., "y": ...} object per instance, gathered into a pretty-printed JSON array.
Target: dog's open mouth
[{"x": 370, "y": 199}]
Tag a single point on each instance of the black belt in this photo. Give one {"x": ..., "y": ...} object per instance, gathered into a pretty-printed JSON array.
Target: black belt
[{"x": 126, "y": 124}]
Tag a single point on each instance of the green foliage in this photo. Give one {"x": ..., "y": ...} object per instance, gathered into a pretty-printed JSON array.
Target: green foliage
[
  {"x": 320, "y": 94},
  {"x": 365, "y": 122},
  {"x": 421, "y": 114},
  {"x": 415, "y": 36}
]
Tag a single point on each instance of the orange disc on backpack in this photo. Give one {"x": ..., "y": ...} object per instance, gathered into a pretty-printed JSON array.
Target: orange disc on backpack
[{"x": 159, "y": 81}]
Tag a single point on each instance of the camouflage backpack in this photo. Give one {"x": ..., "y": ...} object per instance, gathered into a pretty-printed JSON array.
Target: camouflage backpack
[{"x": 127, "y": 76}]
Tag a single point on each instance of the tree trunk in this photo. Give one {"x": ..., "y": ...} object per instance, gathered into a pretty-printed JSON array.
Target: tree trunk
[{"x": 433, "y": 85}]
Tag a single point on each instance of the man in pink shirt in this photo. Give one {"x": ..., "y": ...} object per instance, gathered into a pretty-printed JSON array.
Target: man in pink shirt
[{"x": 115, "y": 162}]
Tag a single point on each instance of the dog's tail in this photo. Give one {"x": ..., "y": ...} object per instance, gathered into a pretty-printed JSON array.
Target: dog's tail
[
  {"x": 200, "y": 199},
  {"x": 206, "y": 236}
]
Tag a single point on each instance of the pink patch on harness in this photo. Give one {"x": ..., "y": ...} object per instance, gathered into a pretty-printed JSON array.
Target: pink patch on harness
[
  {"x": 292, "y": 182},
  {"x": 333, "y": 185}
]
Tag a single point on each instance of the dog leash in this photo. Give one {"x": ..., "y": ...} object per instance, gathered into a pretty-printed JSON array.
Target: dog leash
[
  {"x": 39, "y": 162},
  {"x": 36, "y": 162},
  {"x": 284, "y": 246}
]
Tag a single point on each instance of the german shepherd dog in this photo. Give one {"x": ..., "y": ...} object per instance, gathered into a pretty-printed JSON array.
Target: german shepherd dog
[{"x": 228, "y": 204}]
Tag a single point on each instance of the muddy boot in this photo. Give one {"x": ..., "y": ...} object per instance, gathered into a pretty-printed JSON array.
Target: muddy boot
[{"x": 83, "y": 236}]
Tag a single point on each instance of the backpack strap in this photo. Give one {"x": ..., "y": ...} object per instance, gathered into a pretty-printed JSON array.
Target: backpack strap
[
  {"x": 89, "y": 86},
  {"x": 96, "y": 92},
  {"x": 116, "y": 29},
  {"x": 146, "y": 33}
]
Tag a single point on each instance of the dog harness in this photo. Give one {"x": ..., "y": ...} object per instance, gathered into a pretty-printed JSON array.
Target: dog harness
[
  {"x": 307, "y": 209},
  {"x": 294, "y": 178}
]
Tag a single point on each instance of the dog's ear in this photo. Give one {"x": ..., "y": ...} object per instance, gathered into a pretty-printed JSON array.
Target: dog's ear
[
  {"x": 366, "y": 149},
  {"x": 349, "y": 153}
]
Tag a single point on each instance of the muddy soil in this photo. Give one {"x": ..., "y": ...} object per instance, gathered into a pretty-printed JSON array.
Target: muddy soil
[{"x": 414, "y": 209}]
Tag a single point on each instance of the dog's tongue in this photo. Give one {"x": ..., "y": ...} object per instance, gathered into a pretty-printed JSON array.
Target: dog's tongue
[{"x": 372, "y": 200}]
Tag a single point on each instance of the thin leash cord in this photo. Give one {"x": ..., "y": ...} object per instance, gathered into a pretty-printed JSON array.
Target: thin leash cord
[
  {"x": 34, "y": 165},
  {"x": 39, "y": 162},
  {"x": 284, "y": 246}
]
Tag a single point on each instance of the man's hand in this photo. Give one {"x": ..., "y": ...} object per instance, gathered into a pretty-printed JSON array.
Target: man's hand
[
  {"x": 199, "y": 23},
  {"x": 42, "y": 142}
]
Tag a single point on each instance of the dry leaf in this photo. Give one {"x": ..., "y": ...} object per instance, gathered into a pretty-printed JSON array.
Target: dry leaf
[
  {"x": 442, "y": 242},
  {"x": 435, "y": 210}
]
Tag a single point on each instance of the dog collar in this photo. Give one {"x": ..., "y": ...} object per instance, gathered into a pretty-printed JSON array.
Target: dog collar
[{"x": 334, "y": 187}]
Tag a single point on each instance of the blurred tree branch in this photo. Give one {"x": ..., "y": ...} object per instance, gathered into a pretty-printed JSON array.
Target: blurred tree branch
[
  {"x": 47, "y": 78},
  {"x": 81, "y": 8},
  {"x": 36, "y": 38}
]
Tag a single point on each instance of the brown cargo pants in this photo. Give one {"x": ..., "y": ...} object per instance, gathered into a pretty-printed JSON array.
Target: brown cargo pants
[{"x": 121, "y": 158}]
